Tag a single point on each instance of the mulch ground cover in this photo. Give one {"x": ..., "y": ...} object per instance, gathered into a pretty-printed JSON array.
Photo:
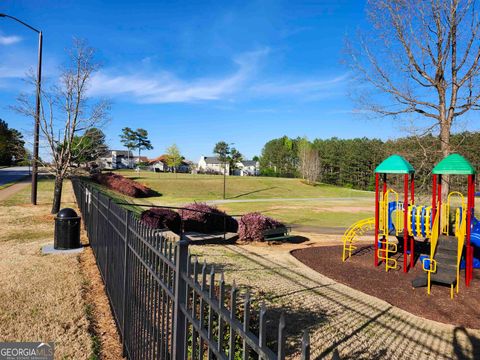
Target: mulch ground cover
[{"x": 395, "y": 286}]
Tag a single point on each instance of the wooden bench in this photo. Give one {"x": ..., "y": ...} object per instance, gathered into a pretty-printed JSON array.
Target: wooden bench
[{"x": 279, "y": 233}]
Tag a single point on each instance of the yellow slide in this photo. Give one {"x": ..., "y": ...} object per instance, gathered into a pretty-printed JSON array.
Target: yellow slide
[{"x": 357, "y": 229}]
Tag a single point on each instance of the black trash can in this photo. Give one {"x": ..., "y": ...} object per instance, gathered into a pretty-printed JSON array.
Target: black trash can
[{"x": 67, "y": 230}]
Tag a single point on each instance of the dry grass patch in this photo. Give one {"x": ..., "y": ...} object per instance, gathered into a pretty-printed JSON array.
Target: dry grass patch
[
  {"x": 102, "y": 324},
  {"x": 42, "y": 295}
]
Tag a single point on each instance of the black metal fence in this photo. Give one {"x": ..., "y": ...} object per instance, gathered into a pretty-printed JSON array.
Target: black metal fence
[{"x": 165, "y": 304}]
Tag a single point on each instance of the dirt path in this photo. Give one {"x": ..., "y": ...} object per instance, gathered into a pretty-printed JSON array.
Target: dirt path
[
  {"x": 358, "y": 325},
  {"x": 9, "y": 191}
]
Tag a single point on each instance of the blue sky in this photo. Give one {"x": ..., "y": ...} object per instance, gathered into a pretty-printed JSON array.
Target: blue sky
[{"x": 193, "y": 73}]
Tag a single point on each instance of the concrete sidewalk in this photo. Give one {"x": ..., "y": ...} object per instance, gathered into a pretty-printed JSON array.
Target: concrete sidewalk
[{"x": 13, "y": 189}]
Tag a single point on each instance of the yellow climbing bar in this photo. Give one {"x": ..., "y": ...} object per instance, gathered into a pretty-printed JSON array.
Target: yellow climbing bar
[
  {"x": 432, "y": 268},
  {"x": 446, "y": 211},
  {"x": 352, "y": 233},
  {"x": 461, "y": 232},
  {"x": 384, "y": 254}
]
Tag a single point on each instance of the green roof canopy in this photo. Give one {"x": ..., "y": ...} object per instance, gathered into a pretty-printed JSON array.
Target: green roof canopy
[
  {"x": 454, "y": 164},
  {"x": 395, "y": 164}
]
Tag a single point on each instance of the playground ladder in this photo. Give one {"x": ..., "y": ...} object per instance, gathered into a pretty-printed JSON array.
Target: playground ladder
[
  {"x": 352, "y": 233},
  {"x": 384, "y": 252}
]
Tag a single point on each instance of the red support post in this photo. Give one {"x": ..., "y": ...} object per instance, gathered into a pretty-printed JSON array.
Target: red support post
[
  {"x": 439, "y": 201},
  {"x": 377, "y": 215},
  {"x": 405, "y": 222},
  {"x": 469, "y": 253},
  {"x": 412, "y": 240},
  {"x": 412, "y": 189},
  {"x": 385, "y": 188},
  {"x": 472, "y": 215},
  {"x": 434, "y": 198}
]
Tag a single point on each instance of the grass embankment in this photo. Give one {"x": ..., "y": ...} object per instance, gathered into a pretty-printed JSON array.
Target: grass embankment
[
  {"x": 43, "y": 296},
  {"x": 330, "y": 206},
  {"x": 188, "y": 187}
]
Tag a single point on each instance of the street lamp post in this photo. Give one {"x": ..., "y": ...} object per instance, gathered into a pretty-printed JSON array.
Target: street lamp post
[
  {"x": 36, "y": 131},
  {"x": 225, "y": 171}
]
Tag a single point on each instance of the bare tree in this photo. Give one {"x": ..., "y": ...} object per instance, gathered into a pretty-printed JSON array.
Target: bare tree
[
  {"x": 309, "y": 161},
  {"x": 303, "y": 147},
  {"x": 313, "y": 166},
  {"x": 422, "y": 58},
  {"x": 66, "y": 112}
]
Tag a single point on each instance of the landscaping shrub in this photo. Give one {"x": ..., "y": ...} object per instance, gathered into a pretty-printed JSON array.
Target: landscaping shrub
[
  {"x": 252, "y": 225},
  {"x": 206, "y": 220},
  {"x": 159, "y": 218},
  {"x": 122, "y": 185}
]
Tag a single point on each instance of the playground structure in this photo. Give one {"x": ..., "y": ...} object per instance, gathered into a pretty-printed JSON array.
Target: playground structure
[{"x": 447, "y": 226}]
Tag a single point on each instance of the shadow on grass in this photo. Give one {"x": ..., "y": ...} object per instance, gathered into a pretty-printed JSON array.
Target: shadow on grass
[
  {"x": 152, "y": 193},
  {"x": 252, "y": 192}
]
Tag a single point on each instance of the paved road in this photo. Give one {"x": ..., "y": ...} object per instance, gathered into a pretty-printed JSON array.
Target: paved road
[{"x": 12, "y": 174}]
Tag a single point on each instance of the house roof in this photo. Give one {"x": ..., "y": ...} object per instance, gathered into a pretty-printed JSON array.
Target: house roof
[
  {"x": 454, "y": 164},
  {"x": 249, "y": 162},
  {"x": 395, "y": 164},
  {"x": 212, "y": 160},
  {"x": 163, "y": 159}
]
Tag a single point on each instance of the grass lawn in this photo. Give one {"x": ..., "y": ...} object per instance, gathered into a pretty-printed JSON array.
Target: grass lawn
[
  {"x": 311, "y": 213},
  {"x": 330, "y": 206},
  {"x": 4, "y": 186},
  {"x": 42, "y": 295},
  {"x": 178, "y": 188}
]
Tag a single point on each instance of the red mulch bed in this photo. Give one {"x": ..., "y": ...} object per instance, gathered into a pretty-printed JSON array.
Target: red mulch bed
[{"x": 395, "y": 287}]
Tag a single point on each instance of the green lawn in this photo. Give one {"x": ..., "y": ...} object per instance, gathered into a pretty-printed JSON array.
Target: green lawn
[
  {"x": 181, "y": 188},
  {"x": 336, "y": 207},
  {"x": 313, "y": 213},
  {"x": 44, "y": 194}
]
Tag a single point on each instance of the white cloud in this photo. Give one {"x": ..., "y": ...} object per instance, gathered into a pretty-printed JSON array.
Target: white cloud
[
  {"x": 158, "y": 87},
  {"x": 9, "y": 40},
  {"x": 314, "y": 88},
  {"x": 165, "y": 87}
]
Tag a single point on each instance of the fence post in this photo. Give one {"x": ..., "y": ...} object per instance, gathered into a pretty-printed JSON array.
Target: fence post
[
  {"x": 109, "y": 225},
  {"x": 180, "y": 339},
  {"x": 306, "y": 345},
  {"x": 125, "y": 274},
  {"x": 97, "y": 216}
]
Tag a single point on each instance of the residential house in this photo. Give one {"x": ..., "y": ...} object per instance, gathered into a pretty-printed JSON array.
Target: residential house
[
  {"x": 116, "y": 159},
  {"x": 140, "y": 160},
  {"x": 159, "y": 164},
  {"x": 212, "y": 165},
  {"x": 247, "y": 168}
]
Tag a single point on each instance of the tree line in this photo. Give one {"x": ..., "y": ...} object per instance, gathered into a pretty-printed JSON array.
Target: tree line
[
  {"x": 12, "y": 146},
  {"x": 352, "y": 162}
]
